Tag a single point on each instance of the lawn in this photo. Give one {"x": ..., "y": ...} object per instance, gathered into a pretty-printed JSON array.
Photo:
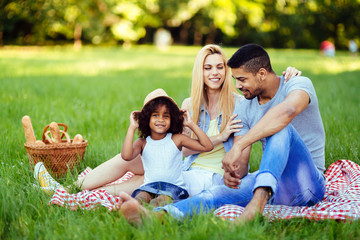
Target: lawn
[{"x": 94, "y": 90}]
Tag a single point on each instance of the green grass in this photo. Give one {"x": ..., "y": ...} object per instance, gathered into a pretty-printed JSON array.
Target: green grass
[{"x": 94, "y": 90}]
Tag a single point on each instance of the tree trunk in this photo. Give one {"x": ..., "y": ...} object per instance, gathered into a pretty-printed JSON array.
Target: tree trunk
[
  {"x": 184, "y": 32},
  {"x": 210, "y": 39},
  {"x": 197, "y": 38}
]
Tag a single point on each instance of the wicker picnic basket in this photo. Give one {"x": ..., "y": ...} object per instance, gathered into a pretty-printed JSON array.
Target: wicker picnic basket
[{"x": 58, "y": 158}]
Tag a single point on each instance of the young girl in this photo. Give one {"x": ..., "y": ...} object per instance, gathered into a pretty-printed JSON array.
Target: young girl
[{"x": 160, "y": 124}]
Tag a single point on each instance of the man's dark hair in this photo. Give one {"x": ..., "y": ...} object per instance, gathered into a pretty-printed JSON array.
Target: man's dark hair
[
  {"x": 251, "y": 57},
  {"x": 176, "y": 116}
]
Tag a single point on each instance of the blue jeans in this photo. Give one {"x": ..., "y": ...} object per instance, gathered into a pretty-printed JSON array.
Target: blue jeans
[
  {"x": 286, "y": 167},
  {"x": 163, "y": 188}
]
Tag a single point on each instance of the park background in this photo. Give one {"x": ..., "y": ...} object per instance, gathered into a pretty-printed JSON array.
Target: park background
[
  {"x": 88, "y": 64},
  {"x": 271, "y": 23}
]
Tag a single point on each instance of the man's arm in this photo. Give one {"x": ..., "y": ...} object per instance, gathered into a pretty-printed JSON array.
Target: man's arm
[
  {"x": 272, "y": 122},
  {"x": 277, "y": 118}
]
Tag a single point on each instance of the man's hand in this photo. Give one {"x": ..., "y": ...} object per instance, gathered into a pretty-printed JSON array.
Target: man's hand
[
  {"x": 232, "y": 180},
  {"x": 231, "y": 161}
]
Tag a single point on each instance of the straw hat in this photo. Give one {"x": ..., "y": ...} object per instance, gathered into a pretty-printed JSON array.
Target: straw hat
[{"x": 156, "y": 94}]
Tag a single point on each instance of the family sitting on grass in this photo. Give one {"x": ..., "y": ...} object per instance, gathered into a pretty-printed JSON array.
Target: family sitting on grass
[{"x": 216, "y": 141}]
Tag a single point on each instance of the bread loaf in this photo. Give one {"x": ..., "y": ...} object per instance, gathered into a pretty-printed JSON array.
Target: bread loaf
[
  {"x": 77, "y": 139},
  {"x": 28, "y": 129},
  {"x": 55, "y": 132}
]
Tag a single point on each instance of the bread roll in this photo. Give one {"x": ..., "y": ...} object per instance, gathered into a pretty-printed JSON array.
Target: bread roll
[
  {"x": 55, "y": 132},
  {"x": 28, "y": 129},
  {"x": 77, "y": 139},
  {"x": 39, "y": 142}
]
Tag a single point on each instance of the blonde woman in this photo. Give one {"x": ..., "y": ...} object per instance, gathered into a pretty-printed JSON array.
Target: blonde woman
[{"x": 211, "y": 105}]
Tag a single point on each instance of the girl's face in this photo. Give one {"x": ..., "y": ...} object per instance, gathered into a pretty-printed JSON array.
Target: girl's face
[
  {"x": 214, "y": 71},
  {"x": 160, "y": 121}
]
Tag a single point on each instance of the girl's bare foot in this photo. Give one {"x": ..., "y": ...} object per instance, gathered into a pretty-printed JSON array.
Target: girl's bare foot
[
  {"x": 161, "y": 200},
  {"x": 143, "y": 197},
  {"x": 131, "y": 209}
]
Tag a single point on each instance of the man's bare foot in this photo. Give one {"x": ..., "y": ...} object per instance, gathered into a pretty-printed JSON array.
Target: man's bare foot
[
  {"x": 131, "y": 209},
  {"x": 255, "y": 206}
]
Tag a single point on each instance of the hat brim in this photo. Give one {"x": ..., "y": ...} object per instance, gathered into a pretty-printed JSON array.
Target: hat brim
[
  {"x": 168, "y": 98},
  {"x": 158, "y": 93}
]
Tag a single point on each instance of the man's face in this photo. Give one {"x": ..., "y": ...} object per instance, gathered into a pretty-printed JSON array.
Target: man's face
[{"x": 248, "y": 83}]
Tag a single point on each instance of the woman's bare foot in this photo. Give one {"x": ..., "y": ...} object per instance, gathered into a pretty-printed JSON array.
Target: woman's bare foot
[
  {"x": 255, "y": 206},
  {"x": 131, "y": 209}
]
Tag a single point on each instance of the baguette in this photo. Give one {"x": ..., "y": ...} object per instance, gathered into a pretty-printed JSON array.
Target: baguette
[
  {"x": 28, "y": 129},
  {"x": 55, "y": 132},
  {"x": 66, "y": 136},
  {"x": 47, "y": 138}
]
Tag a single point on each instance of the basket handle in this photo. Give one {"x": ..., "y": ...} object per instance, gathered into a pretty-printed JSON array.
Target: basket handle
[
  {"x": 51, "y": 140},
  {"x": 47, "y": 129}
]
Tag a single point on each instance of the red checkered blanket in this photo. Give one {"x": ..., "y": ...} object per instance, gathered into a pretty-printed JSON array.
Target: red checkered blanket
[
  {"x": 341, "y": 201},
  {"x": 87, "y": 199}
]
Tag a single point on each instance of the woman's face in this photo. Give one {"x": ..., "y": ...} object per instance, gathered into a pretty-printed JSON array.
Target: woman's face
[{"x": 214, "y": 71}]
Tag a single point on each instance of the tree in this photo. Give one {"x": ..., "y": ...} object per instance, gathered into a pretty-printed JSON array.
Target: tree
[{"x": 272, "y": 23}]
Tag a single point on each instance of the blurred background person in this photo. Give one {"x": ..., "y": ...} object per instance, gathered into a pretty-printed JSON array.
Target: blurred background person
[
  {"x": 327, "y": 48},
  {"x": 353, "y": 47},
  {"x": 162, "y": 39}
]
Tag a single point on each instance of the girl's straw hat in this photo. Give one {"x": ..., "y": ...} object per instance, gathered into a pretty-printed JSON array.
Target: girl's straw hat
[{"x": 156, "y": 94}]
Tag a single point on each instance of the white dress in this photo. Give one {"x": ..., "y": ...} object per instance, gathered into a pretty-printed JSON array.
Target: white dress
[{"x": 162, "y": 162}]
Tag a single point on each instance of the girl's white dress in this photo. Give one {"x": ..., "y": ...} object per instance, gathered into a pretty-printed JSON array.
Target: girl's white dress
[{"x": 162, "y": 162}]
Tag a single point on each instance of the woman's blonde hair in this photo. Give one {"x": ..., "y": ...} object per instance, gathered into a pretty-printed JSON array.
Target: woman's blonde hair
[{"x": 198, "y": 91}]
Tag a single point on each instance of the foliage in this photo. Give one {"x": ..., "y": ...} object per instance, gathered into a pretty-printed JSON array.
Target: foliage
[
  {"x": 42, "y": 21},
  {"x": 93, "y": 90},
  {"x": 272, "y": 23}
]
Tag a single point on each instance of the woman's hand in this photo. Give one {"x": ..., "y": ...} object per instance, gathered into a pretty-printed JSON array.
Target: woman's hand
[
  {"x": 291, "y": 72},
  {"x": 133, "y": 119},
  {"x": 231, "y": 127}
]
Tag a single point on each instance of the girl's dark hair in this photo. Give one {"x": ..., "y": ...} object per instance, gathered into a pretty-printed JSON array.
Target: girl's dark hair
[{"x": 176, "y": 116}]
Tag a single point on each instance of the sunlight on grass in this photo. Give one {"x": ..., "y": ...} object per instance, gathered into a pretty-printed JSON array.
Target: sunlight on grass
[
  {"x": 312, "y": 61},
  {"x": 333, "y": 66}
]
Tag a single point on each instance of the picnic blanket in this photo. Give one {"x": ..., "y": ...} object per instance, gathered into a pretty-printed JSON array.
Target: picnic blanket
[
  {"x": 341, "y": 201},
  {"x": 88, "y": 199}
]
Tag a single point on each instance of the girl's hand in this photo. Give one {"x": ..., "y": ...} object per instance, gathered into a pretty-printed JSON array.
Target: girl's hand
[
  {"x": 291, "y": 72},
  {"x": 231, "y": 127},
  {"x": 187, "y": 118},
  {"x": 133, "y": 122}
]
